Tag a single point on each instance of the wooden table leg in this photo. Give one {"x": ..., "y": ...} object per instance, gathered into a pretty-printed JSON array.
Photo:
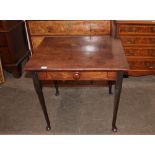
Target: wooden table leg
[
  {"x": 56, "y": 87},
  {"x": 110, "y": 86},
  {"x": 38, "y": 89},
  {"x": 118, "y": 88}
]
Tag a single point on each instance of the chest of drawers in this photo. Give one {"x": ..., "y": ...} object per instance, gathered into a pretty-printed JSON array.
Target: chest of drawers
[
  {"x": 38, "y": 30},
  {"x": 14, "y": 49},
  {"x": 138, "y": 39}
]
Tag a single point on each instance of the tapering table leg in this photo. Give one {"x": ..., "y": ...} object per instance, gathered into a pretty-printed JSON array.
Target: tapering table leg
[
  {"x": 38, "y": 89},
  {"x": 110, "y": 86},
  {"x": 118, "y": 88},
  {"x": 56, "y": 87}
]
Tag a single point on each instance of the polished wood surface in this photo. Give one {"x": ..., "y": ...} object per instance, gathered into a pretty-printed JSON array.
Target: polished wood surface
[
  {"x": 139, "y": 45},
  {"x": 83, "y": 53}
]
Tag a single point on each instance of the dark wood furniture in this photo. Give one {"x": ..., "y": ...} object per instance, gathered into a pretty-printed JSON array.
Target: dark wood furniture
[
  {"x": 14, "y": 50},
  {"x": 138, "y": 39},
  {"x": 78, "y": 58}
]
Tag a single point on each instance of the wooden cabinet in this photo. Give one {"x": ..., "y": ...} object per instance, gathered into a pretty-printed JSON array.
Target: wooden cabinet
[
  {"x": 39, "y": 29},
  {"x": 14, "y": 50},
  {"x": 138, "y": 39}
]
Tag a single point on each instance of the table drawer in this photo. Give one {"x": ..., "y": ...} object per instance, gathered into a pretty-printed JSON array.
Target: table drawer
[
  {"x": 142, "y": 64},
  {"x": 124, "y": 29},
  {"x": 132, "y": 51},
  {"x": 4, "y": 54},
  {"x": 3, "y": 40},
  {"x": 69, "y": 27},
  {"x": 89, "y": 75},
  {"x": 138, "y": 41}
]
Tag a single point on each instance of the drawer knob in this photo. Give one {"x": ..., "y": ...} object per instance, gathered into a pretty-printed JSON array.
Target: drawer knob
[{"x": 76, "y": 76}]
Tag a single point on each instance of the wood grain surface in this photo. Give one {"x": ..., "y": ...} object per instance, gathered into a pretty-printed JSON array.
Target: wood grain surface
[{"x": 84, "y": 53}]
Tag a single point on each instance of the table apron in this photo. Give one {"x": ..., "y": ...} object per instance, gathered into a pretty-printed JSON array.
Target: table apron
[{"x": 77, "y": 75}]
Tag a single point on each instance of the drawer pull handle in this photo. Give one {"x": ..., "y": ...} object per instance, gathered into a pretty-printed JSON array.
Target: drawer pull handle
[{"x": 76, "y": 76}]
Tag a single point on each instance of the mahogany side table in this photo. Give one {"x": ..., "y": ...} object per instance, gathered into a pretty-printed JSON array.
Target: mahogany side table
[{"x": 78, "y": 58}]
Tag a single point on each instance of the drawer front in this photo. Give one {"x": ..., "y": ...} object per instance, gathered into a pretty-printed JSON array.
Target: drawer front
[
  {"x": 131, "y": 51},
  {"x": 124, "y": 29},
  {"x": 69, "y": 27},
  {"x": 141, "y": 64},
  {"x": 77, "y": 75},
  {"x": 3, "y": 40},
  {"x": 138, "y": 41},
  {"x": 4, "y": 54}
]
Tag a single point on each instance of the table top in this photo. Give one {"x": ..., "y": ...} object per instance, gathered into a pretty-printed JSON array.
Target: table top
[{"x": 78, "y": 53}]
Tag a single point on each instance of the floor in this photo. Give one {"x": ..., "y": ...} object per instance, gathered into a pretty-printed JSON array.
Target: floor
[{"x": 77, "y": 110}]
